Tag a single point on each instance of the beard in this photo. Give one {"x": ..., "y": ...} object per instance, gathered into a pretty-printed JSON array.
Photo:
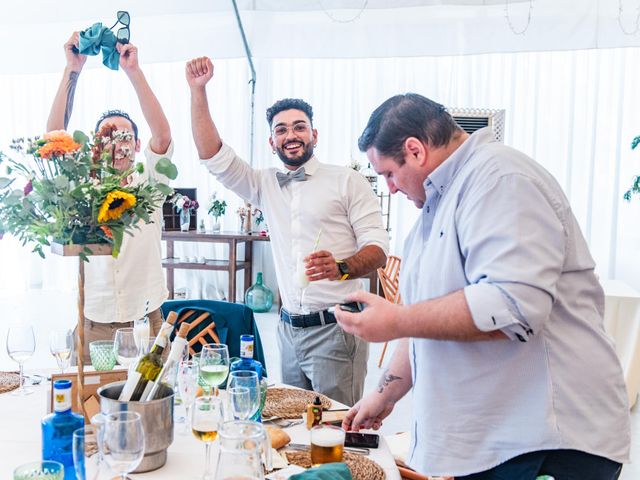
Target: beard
[{"x": 301, "y": 159}]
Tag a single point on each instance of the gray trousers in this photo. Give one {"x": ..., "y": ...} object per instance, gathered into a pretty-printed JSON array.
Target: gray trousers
[{"x": 324, "y": 359}]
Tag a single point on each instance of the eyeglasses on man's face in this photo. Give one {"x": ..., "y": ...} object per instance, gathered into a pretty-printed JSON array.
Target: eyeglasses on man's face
[{"x": 299, "y": 128}]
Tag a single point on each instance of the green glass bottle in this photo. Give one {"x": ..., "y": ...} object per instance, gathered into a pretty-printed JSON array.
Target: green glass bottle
[{"x": 258, "y": 297}]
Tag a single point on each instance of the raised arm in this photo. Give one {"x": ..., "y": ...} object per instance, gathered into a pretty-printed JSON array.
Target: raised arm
[
  {"x": 63, "y": 102},
  {"x": 205, "y": 134},
  {"x": 151, "y": 109}
]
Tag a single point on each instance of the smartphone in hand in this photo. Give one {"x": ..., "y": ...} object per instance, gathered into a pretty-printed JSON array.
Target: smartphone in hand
[
  {"x": 361, "y": 440},
  {"x": 353, "y": 307}
]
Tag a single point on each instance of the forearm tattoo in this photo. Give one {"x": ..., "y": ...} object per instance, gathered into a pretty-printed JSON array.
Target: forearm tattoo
[
  {"x": 71, "y": 91},
  {"x": 386, "y": 379}
]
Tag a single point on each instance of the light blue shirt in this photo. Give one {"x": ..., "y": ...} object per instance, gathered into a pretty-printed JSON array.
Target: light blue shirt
[{"x": 497, "y": 225}]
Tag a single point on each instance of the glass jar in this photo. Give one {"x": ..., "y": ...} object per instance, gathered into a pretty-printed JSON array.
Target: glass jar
[{"x": 258, "y": 297}]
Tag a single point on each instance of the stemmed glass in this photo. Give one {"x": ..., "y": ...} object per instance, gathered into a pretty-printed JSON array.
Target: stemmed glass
[
  {"x": 188, "y": 374},
  {"x": 86, "y": 456},
  {"x": 239, "y": 400},
  {"x": 214, "y": 365},
  {"x": 249, "y": 380},
  {"x": 141, "y": 334},
  {"x": 123, "y": 442},
  {"x": 125, "y": 347},
  {"x": 301, "y": 279},
  {"x": 206, "y": 418},
  {"x": 61, "y": 347},
  {"x": 21, "y": 343}
]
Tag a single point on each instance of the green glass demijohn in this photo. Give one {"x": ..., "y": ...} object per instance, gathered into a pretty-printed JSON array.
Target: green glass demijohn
[{"x": 258, "y": 297}]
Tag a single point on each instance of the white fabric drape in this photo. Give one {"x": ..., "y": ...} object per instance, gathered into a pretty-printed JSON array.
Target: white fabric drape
[{"x": 574, "y": 112}]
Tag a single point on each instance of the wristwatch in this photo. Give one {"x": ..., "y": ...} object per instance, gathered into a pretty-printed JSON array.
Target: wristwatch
[{"x": 343, "y": 268}]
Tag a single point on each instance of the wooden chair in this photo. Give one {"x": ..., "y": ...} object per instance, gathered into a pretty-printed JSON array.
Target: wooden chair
[
  {"x": 389, "y": 279},
  {"x": 204, "y": 336}
]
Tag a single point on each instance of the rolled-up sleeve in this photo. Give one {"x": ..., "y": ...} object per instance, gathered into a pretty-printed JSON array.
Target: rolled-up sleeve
[
  {"x": 235, "y": 174},
  {"x": 365, "y": 214},
  {"x": 512, "y": 237}
]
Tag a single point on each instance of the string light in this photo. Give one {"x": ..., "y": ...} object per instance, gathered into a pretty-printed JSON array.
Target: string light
[
  {"x": 506, "y": 15},
  {"x": 628, "y": 32},
  {"x": 338, "y": 20}
]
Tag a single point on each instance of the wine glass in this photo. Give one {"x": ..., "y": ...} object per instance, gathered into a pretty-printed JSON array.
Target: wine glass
[
  {"x": 249, "y": 380},
  {"x": 188, "y": 374},
  {"x": 86, "y": 456},
  {"x": 206, "y": 419},
  {"x": 214, "y": 365},
  {"x": 125, "y": 347},
  {"x": 61, "y": 347},
  {"x": 123, "y": 442},
  {"x": 141, "y": 332},
  {"x": 21, "y": 343},
  {"x": 239, "y": 400}
]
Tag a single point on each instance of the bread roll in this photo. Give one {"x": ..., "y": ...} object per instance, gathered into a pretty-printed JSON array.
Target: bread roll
[{"x": 279, "y": 438}]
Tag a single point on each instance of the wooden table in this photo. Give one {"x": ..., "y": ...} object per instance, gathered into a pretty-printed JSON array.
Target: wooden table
[{"x": 232, "y": 265}]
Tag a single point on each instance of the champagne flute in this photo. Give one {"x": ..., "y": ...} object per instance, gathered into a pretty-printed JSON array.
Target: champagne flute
[
  {"x": 123, "y": 442},
  {"x": 61, "y": 347},
  {"x": 249, "y": 380},
  {"x": 86, "y": 456},
  {"x": 214, "y": 365},
  {"x": 188, "y": 374},
  {"x": 206, "y": 419},
  {"x": 141, "y": 333},
  {"x": 239, "y": 402},
  {"x": 125, "y": 347},
  {"x": 21, "y": 343},
  {"x": 301, "y": 279}
]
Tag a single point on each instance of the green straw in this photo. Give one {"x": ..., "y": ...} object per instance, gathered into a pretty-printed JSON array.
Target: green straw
[{"x": 315, "y": 245}]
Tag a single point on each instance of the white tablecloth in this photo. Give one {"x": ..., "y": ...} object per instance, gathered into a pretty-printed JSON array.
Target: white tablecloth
[
  {"x": 20, "y": 441},
  {"x": 622, "y": 322}
]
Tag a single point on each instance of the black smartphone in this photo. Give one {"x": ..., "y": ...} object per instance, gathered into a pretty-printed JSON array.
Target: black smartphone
[
  {"x": 353, "y": 307},
  {"x": 362, "y": 440}
]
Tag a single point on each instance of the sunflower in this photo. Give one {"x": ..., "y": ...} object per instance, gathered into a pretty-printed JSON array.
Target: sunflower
[{"x": 116, "y": 203}]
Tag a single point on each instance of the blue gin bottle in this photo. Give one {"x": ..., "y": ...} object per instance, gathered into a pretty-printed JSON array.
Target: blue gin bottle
[{"x": 58, "y": 428}]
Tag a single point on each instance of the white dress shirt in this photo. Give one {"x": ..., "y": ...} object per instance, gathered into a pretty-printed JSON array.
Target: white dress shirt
[
  {"x": 336, "y": 199},
  {"x": 117, "y": 289},
  {"x": 497, "y": 225}
]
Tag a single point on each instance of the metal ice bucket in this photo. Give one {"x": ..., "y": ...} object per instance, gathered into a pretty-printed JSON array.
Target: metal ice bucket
[{"x": 157, "y": 421}]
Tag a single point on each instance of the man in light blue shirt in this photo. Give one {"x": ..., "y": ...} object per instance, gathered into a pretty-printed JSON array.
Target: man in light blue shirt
[{"x": 502, "y": 330}]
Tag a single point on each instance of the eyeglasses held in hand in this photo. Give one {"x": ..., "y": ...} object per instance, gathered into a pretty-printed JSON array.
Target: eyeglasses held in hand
[{"x": 123, "y": 33}]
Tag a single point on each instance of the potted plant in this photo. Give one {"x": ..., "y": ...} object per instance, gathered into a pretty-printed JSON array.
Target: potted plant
[
  {"x": 217, "y": 208},
  {"x": 185, "y": 207}
]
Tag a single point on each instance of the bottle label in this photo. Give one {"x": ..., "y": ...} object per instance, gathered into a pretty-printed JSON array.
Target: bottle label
[
  {"x": 246, "y": 348},
  {"x": 130, "y": 386},
  {"x": 61, "y": 399}
]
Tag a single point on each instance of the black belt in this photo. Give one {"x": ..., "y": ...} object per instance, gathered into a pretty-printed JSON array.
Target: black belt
[{"x": 316, "y": 319}]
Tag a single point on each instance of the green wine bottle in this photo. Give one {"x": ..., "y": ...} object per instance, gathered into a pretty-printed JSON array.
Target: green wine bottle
[{"x": 148, "y": 367}]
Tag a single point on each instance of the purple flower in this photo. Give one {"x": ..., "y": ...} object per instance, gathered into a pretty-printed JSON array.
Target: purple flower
[{"x": 28, "y": 188}]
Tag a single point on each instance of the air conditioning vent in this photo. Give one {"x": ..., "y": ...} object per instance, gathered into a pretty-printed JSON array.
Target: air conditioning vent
[{"x": 472, "y": 119}]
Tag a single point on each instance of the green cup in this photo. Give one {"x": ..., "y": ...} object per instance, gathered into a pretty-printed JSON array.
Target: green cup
[
  {"x": 46, "y": 470},
  {"x": 102, "y": 355}
]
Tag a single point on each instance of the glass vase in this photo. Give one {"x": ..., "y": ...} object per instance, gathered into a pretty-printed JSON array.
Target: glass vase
[
  {"x": 185, "y": 219},
  {"x": 258, "y": 297},
  {"x": 216, "y": 224}
]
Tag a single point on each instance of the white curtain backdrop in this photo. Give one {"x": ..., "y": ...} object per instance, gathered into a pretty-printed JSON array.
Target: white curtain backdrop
[{"x": 574, "y": 112}]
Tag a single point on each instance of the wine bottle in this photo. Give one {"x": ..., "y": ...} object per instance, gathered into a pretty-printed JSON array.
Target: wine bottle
[
  {"x": 58, "y": 428},
  {"x": 169, "y": 371},
  {"x": 149, "y": 366}
]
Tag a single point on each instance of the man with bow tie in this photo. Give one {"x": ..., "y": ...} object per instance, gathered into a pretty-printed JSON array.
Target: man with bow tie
[{"x": 305, "y": 201}]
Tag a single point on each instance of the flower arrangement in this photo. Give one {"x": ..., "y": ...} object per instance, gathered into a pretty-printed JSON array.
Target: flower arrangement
[
  {"x": 77, "y": 190},
  {"x": 182, "y": 203},
  {"x": 635, "y": 188},
  {"x": 355, "y": 165},
  {"x": 217, "y": 208}
]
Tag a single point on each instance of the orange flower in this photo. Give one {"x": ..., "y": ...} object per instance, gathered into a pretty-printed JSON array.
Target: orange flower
[
  {"x": 107, "y": 231},
  {"x": 58, "y": 143}
]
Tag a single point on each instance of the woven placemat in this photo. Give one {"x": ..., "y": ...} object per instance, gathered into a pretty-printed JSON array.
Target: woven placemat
[
  {"x": 360, "y": 466},
  {"x": 290, "y": 402},
  {"x": 9, "y": 381}
]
